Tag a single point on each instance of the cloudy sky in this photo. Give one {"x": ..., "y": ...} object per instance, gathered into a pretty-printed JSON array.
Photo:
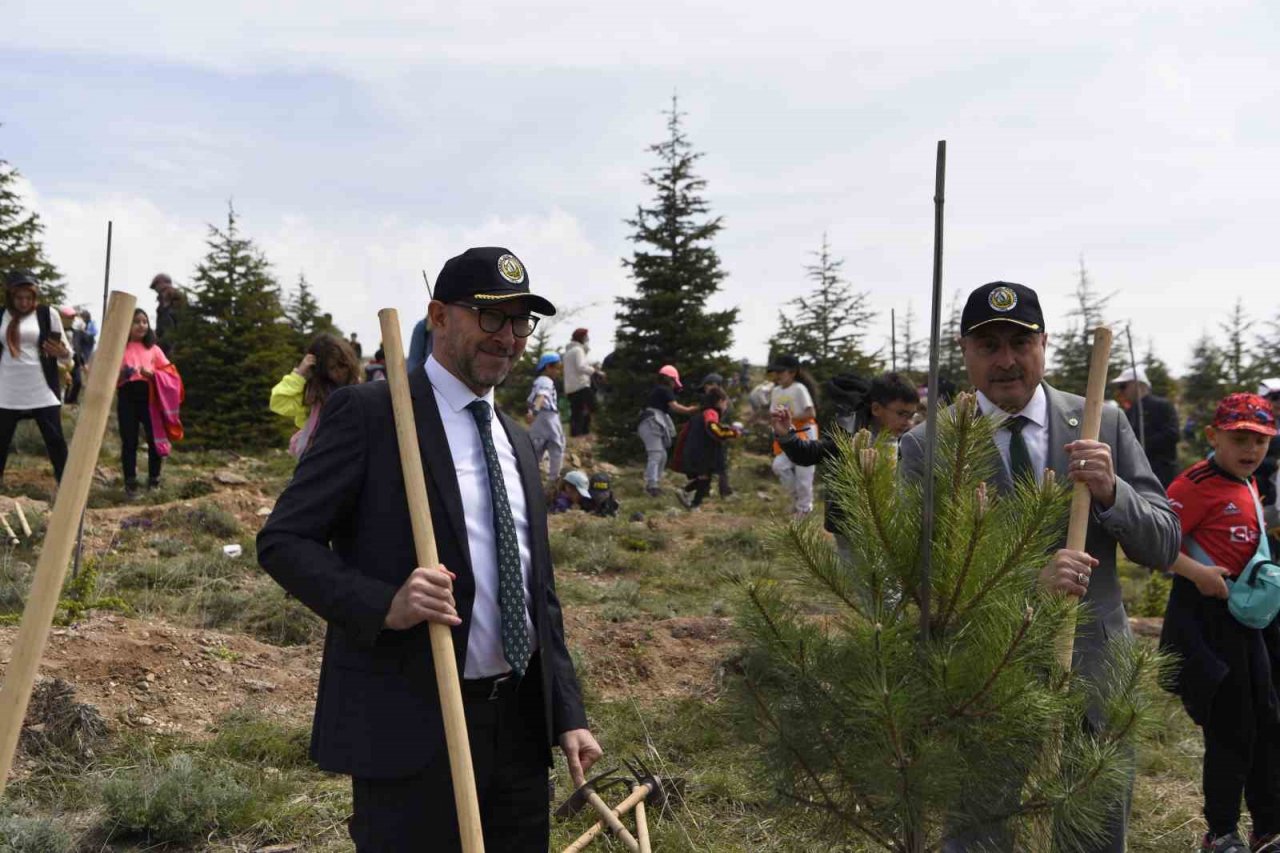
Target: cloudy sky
[{"x": 364, "y": 142}]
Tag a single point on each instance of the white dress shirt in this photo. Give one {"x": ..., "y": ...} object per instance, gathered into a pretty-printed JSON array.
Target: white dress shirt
[
  {"x": 1035, "y": 434},
  {"x": 484, "y": 643}
]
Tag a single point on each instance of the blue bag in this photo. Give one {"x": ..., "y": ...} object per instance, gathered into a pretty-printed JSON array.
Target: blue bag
[{"x": 1254, "y": 600}]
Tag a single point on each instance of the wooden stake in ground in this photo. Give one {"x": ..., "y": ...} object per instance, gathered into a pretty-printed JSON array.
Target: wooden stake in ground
[
  {"x": 51, "y": 569},
  {"x": 424, "y": 540},
  {"x": 22, "y": 518},
  {"x": 1081, "y": 500},
  {"x": 8, "y": 529}
]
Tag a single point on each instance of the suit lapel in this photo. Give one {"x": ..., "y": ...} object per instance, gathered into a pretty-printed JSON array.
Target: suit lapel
[
  {"x": 433, "y": 444},
  {"x": 1064, "y": 427}
]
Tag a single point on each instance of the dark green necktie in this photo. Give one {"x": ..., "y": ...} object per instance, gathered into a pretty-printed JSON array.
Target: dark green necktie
[
  {"x": 1019, "y": 456},
  {"x": 515, "y": 635}
]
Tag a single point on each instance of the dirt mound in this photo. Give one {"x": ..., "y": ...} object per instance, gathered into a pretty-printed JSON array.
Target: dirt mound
[{"x": 163, "y": 678}]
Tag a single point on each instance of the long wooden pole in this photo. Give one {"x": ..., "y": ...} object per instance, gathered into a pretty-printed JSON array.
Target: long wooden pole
[
  {"x": 73, "y": 492},
  {"x": 931, "y": 416},
  {"x": 1133, "y": 363},
  {"x": 1081, "y": 500},
  {"x": 424, "y": 541}
]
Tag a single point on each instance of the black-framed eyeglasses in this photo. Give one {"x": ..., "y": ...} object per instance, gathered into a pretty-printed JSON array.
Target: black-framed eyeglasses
[{"x": 493, "y": 319}]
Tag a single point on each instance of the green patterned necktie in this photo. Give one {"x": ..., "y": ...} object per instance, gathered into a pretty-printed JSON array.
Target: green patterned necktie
[
  {"x": 515, "y": 635},
  {"x": 1019, "y": 456}
]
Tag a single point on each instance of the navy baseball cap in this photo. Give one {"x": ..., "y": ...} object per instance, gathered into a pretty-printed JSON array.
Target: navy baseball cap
[
  {"x": 485, "y": 276},
  {"x": 1002, "y": 302},
  {"x": 21, "y": 278}
]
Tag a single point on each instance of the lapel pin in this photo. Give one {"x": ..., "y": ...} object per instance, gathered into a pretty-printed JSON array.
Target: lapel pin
[{"x": 1073, "y": 422}]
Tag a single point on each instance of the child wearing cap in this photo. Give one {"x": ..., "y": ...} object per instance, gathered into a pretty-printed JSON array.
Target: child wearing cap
[
  {"x": 603, "y": 503},
  {"x": 545, "y": 430},
  {"x": 656, "y": 429},
  {"x": 794, "y": 397},
  {"x": 573, "y": 492},
  {"x": 1226, "y": 671}
]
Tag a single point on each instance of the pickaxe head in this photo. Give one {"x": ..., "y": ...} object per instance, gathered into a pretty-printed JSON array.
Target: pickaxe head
[
  {"x": 578, "y": 799},
  {"x": 662, "y": 790}
]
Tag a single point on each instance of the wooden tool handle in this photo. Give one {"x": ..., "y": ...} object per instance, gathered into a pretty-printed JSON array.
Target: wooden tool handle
[
  {"x": 22, "y": 516},
  {"x": 642, "y": 828},
  {"x": 636, "y": 796},
  {"x": 13, "y": 537},
  {"x": 59, "y": 539},
  {"x": 611, "y": 820},
  {"x": 1081, "y": 500},
  {"x": 424, "y": 541}
]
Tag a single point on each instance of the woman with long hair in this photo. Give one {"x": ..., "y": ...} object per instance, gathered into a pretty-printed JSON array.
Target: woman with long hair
[
  {"x": 32, "y": 344},
  {"x": 143, "y": 358},
  {"x": 328, "y": 365}
]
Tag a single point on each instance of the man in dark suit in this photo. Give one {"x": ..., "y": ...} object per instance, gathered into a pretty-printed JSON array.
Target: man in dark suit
[
  {"x": 1003, "y": 341},
  {"x": 1159, "y": 423},
  {"x": 340, "y": 540}
]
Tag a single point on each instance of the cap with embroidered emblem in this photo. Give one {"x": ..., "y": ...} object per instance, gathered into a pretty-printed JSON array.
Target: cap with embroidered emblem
[
  {"x": 488, "y": 275},
  {"x": 1002, "y": 302}
]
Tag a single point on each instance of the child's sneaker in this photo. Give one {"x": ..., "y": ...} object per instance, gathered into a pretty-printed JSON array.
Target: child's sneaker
[
  {"x": 1229, "y": 843},
  {"x": 1264, "y": 843}
]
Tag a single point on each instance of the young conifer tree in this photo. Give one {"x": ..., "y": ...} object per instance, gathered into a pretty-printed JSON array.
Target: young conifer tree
[
  {"x": 233, "y": 344},
  {"x": 1073, "y": 345},
  {"x": 1203, "y": 387},
  {"x": 825, "y": 328},
  {"x": 20, "y": 245},
  {"x": 895, "y": 741},
  {"x": 676, "y": 272}
]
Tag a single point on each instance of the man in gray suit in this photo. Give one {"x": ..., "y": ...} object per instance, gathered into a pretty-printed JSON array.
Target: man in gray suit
[{"x": 1003, "y": 340}]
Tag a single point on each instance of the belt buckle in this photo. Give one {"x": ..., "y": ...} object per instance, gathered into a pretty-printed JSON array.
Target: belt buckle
[{"x": 497, "y": 683}]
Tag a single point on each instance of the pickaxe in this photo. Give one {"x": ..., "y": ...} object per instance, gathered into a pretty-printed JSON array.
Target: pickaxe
[{"x": 648, "y": 788}]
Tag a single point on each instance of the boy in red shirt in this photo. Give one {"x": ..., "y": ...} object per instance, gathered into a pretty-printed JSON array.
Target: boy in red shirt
[{"x": 1226, "y": 671}]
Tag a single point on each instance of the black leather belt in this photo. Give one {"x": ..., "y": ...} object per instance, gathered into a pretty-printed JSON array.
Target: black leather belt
[{"x": 489, "y": 689}]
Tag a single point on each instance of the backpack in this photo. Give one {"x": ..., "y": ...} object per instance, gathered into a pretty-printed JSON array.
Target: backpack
[
  {"x": 1254, "y": 599},
  {"x": 676, "y": 461}
]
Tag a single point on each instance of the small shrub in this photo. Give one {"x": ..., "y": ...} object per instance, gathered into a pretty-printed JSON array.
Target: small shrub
[
  {"x": 167, "y": 546},
  {"x": 181, "y": 800},
  {"x": 1155, "y": 595},
  {"x": 192, "y": 489},
  {"x": 248, "y": 736},
  {"x": 744, "y": 542},
  {"x": 212, "y": 519},
  {"x": 276, "y": 617},
  {"x": 15, "y": 578},
  {"x": 33, "y": 835}
]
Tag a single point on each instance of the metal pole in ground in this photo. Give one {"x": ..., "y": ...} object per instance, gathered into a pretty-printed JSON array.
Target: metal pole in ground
[{"x": 931, "y": 418}]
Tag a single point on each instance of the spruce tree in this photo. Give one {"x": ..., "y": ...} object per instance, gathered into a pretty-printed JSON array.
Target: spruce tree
[
  {"x": 826, "y": 327},
  {"x": 1158, "y": 375},
  {"x": 1237, "y": 350},
  {"x": 234, "y": 342},
  {"x": 1073, "y": 346},
  {"x": 1267, "y": 350},
  {"x": 1202, "y": 388},
  {"x": 950, "y": 358},
  {"x": 676, "y": 271},
  {"x": 913, "y": 351},
  {"x": 305, "y": 316},
  {"x": 893, "y": 740},
  {"x": 20, "y": 245}
]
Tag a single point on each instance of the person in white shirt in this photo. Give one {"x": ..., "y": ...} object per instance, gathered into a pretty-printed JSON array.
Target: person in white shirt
[
  {"x": 577, "y": 383},
  {"x": 32, "y": 344},
  {"x": 793, "y": 397}
]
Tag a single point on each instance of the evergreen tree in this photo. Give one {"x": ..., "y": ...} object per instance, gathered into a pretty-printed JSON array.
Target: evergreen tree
[
  {"x": 826, "y": 326},
  {"x": 951, "y": 360},
  {"x": 305, "y": 316},
  {"x": 676, "y": 271},
  {"x": 1267, "y": 350},
  {"x": 913, "y": 352},
  {"x": 1237, "y": 352},
  {"x": 895, "y": 739},
  {"x": 234, "y": 342},
  {"x": 1202, "y": 388},
  {"x": 1073, "y": 346},
  {"x": 20, "y": 245},
  {"x": 1158, "y": 375}
]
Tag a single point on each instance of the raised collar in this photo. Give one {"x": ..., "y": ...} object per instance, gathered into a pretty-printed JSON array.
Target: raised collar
[
  {"x": 1036, "y": 411},
  {"x": 456, "y": 394}
]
